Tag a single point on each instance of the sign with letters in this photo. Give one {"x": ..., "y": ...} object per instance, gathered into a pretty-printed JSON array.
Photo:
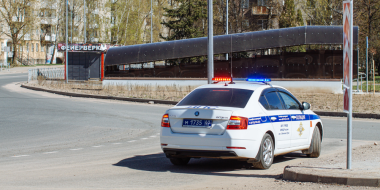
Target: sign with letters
[{"x": 83, "y": 47}]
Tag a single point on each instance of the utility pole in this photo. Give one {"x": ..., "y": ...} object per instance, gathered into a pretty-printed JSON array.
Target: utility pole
[
  {"x": 366, "y": 62},
  {"x": 72, "y": 24},
  {"x": 84, "y": 16},
  {"x": 210, "y": 46},
  {"x": 151, "y": 21},
  {"x": 226, "y": 23},
  {"x": 357, "y": 82},
  {"x": 373, "y": 66},
  {"x": 67, "y": 45},
  {"x": 151, "y": 24}
]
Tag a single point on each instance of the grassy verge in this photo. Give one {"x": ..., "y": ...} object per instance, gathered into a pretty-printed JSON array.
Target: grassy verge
[
  {"x": 48, "y": 64},
  {"x": 370, "y": 86}
]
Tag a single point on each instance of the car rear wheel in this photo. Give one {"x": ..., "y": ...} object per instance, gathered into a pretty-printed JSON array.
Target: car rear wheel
[
  {"x": 266, "y": 153},
  {"x": 179, "y": 161}
]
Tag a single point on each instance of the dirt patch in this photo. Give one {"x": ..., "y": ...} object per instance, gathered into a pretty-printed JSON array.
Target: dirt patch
[
  {"x": 365, "y": 159},
  {"x": 320, "y": 101}
]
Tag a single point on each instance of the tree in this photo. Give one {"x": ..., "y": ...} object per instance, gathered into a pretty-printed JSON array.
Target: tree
[
  {"x": 299, "y": 17},
  {"x": 367, "y": 17},
  {"x": 185, "y": 21},
  {"x": 323, "y": 12},
  {"x": 130, "y": 21},
  {"x": 19, "y": 17},
  {"x": 288, "y": 15}
]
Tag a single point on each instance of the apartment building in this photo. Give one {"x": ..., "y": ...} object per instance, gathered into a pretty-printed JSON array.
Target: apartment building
[{"x": 36, "y": 42}]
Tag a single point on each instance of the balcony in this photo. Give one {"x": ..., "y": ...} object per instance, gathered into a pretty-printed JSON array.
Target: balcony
[{"x": 47, "y": 37}]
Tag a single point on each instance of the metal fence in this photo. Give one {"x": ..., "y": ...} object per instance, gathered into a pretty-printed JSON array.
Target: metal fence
[{"x": 47, "y": 73}]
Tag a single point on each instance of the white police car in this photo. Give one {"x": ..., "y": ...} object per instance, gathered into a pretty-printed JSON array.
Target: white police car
[{"x": 252, "y": 121}]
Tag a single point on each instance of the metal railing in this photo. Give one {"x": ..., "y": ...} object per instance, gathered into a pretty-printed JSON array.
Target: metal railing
[
  {"x": 359, "y": 81},
  {"x": 47, "y": 73}
]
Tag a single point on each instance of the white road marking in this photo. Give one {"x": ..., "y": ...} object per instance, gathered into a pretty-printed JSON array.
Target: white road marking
[
  {"x": 158, "y": 133},
  {"x": 153, "y": 136},
  {"x": 98, "y": 146},
  {"x": 53, "y": 152},
  {"x": 132, "y": 141},
  {"x": 116, "y": 143},
  {"x": 76, "y": 149},
  {"x": 18, "y": 156},
  {"x": 143, "y": 138}
]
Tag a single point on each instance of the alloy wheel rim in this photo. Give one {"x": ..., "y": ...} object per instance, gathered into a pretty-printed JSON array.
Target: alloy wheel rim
[{"x": 267, "y": 151}]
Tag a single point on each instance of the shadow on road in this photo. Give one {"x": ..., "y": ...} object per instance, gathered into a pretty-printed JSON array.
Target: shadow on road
[{"x": 205, "y": 166}]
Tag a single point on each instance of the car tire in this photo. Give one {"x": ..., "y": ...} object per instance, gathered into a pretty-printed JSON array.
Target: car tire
[
  {"x": 179, "y": 161},
  {"x": 266, "y": 153},
  {"x": 316, "y": 144}
]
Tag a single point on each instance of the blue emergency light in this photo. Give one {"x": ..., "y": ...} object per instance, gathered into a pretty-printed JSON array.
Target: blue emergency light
[{"x": 258, "y": 80}]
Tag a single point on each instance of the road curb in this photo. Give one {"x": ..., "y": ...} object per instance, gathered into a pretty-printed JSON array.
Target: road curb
[
  {"x": 101, "y": 97},
  {"x": 343, "y": 114},
  {"x": 320, "y": 113},
  {"x": 303, "y": 174}
]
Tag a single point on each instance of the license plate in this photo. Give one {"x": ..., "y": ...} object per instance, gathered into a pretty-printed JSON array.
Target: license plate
[{"x": 196, "y": 123}]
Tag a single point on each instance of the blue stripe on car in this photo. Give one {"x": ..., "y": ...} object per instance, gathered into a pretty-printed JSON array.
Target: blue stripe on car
[{"x": 281, "y": 118}]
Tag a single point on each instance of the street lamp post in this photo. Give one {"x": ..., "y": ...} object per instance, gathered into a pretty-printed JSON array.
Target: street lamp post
[
  {"x": 226, "y": 23},
  {"x": 67, "y": 45},
  {"x": 84, "y": 18},
  {"x": 210, "y": 46},
  {"x": 151, "y": 21}
]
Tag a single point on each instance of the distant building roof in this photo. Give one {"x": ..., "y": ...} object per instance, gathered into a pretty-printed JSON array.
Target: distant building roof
[{"x": 240, "y": 42}]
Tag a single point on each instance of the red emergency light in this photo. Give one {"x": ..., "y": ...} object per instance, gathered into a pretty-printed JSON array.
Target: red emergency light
[{"x": 222, "y": 79}]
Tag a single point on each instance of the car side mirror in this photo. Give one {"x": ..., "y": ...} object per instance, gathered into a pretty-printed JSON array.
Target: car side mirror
[{"x": 305, "y": 106}]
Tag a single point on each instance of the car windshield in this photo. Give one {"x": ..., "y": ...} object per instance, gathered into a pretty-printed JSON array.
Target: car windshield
[{"x": 218, "y": 97}]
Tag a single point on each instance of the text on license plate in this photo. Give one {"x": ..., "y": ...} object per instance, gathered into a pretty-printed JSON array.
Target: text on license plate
[{"x": 196, "y": 123}]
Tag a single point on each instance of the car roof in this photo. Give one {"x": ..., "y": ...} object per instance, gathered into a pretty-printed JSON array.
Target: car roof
[{"x": 240, "y": 85}]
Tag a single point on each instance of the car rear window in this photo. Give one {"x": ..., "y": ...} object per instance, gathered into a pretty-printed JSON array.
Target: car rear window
[{"x": 218, "y": 97}]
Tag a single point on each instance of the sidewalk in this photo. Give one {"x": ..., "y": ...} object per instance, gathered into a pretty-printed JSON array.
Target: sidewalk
[
  {"x": 24, "y": 69},
  {"x": 332, "y": 168}
]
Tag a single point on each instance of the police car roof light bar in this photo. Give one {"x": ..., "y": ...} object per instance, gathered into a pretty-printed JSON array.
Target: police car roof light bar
[
  {"x": 221, "y": 79},
  {"x": 263, "y": 80}
]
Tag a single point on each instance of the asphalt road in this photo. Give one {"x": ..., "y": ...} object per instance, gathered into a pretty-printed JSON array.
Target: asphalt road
[{"x": 50, "y": 141}]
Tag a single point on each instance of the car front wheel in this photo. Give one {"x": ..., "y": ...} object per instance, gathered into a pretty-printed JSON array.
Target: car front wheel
[
  {"x": 266, "y": 153},
  {"x": 316, "y": 144}
]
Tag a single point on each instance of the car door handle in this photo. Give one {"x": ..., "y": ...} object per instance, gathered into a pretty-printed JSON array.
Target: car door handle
[
  {"x": 294, "y": 117},
  {"x": 273, "y": 118}
]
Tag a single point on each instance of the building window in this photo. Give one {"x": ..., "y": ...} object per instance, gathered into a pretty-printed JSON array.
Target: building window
[
  {"x": 245, "y": 4},
  {"x": 262, "y": 3},
  {"x": 36, "y": 47},
  {"x": 27, "y": 47},
  {"x": 262, "y": 24},
  {"x": 113, "y": 19},
  {"x": 42, "y": 48},
  {"x": 246, "y": 23},
  {"x": 32, "y": 47}
]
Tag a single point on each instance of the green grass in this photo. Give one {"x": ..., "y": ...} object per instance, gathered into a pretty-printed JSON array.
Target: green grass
[
  {"x": 48, "y": 64},
  {"x": 24, "y": 66},
  {"x": 370, "y": 86},
  {"x": 38, "y": 65}
]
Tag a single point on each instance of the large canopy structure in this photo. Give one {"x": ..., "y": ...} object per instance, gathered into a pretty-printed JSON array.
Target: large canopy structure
[{"x": 240, "y": 42}]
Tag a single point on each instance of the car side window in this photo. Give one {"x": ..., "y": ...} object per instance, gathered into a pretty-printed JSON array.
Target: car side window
[
  {"x": 273, "y": 101},
  {"x": 263, "y": 101},
  {"x": 290, "y": 102}
]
